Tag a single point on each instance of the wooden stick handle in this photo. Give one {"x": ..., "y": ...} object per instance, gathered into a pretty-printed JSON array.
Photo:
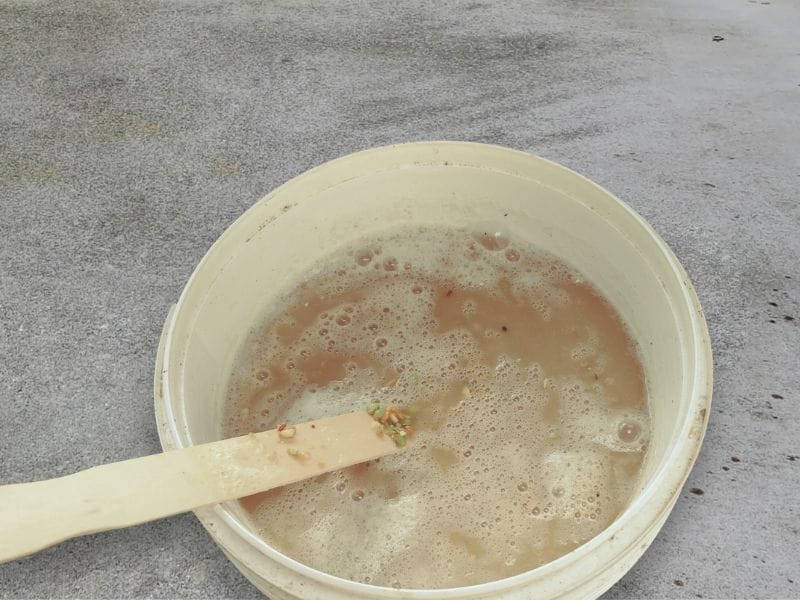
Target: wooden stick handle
[{"x": 36, "y": 515}]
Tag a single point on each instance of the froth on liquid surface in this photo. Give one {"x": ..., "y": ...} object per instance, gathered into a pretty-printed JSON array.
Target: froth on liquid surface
[{"x": 532, "y": 421}]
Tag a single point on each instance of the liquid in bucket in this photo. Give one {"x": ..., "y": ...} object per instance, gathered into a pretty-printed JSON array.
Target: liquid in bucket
[{"x": 531, "y": 419}]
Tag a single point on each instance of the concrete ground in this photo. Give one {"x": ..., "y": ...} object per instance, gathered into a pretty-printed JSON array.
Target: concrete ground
[{"x": 132, "y": 134}]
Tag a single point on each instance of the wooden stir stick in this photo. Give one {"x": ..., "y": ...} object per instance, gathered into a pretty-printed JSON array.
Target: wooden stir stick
[{"x": 36, "y": 515}]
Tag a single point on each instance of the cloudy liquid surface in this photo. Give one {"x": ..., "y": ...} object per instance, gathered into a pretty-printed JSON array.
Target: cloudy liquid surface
[{"x": 532, "y": 421}]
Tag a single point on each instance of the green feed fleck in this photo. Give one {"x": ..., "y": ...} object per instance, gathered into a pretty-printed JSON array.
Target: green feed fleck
[{"x": 392, "y": 422}]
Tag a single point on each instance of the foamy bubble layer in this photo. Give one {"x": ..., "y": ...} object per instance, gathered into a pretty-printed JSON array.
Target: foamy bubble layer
[{"x": 532, "y": 419}]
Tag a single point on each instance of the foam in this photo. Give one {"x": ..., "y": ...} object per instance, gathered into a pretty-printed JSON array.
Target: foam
[{"x": 528, "y": 445}]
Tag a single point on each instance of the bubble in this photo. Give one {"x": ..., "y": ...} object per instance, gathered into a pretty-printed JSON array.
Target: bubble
[
  {"x": 629, "y": 431},
  {"x": 357, "y": 495},
  {"x": 342, "y": 320},
  {"x": 522, "y": 486},
  {"x": 416, "y": 289},
  {"x": 340, "y": 486},
  {"x": 558, "y": 492},
  {"x": 390, "y": 264},
  {"x": 364, "y": 257},
  {"x": 262, "y": 375},
  {"x": 381, "y": 342},
  {"x": 512, "y": 255}
]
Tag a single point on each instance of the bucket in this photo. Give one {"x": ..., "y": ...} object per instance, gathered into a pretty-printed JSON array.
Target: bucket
[{"x": 260, "y": 257}]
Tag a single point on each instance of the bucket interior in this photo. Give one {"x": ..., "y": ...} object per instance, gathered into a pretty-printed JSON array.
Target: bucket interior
[{"x": 268, "y": 251}]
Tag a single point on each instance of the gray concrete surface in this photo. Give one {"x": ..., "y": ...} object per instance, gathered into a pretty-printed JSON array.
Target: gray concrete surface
[{"x": 132, "y": 134}]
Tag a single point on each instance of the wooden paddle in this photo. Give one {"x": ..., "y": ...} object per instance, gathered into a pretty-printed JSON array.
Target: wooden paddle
[{"x": 36, "y": 515}]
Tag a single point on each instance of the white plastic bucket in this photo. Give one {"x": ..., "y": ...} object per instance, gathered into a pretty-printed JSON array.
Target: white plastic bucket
[{"x": 268, "y": 248}]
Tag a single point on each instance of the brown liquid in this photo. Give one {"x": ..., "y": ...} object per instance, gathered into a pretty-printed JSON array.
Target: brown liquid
[{"x": 532, "y": 420}]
